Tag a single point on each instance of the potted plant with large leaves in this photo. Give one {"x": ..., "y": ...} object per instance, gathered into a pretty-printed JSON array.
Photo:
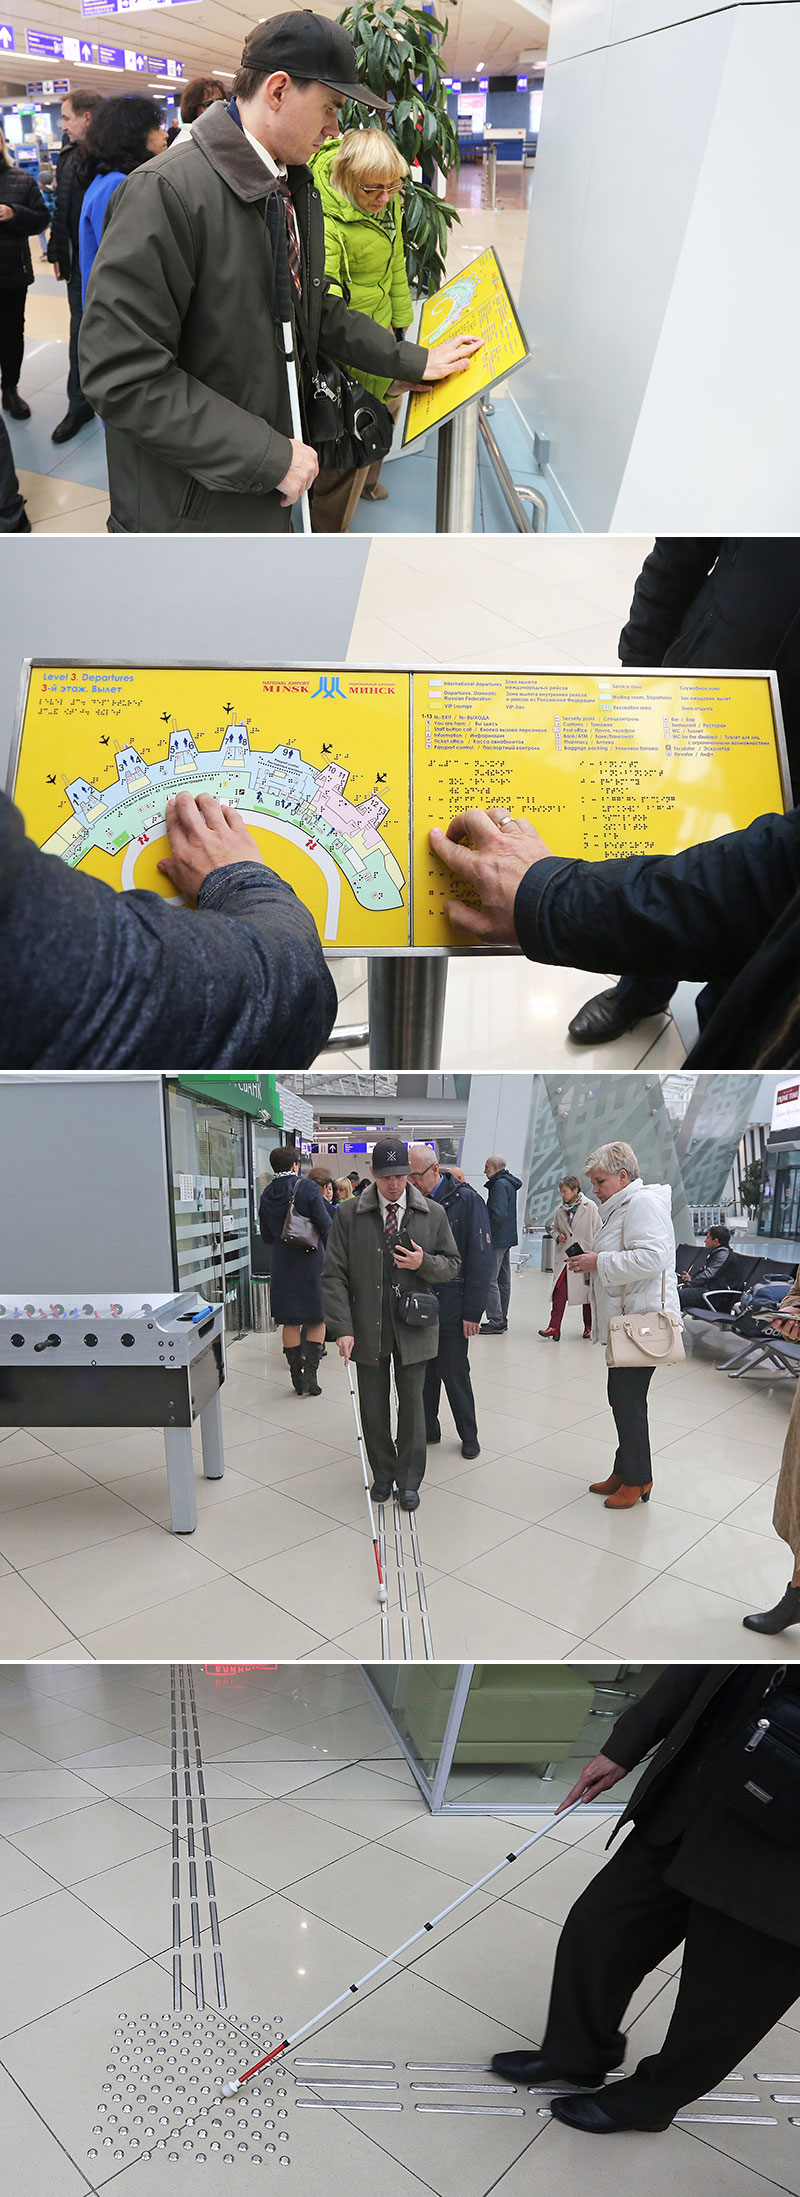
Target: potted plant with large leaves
[{"x": 398, "y": 53}]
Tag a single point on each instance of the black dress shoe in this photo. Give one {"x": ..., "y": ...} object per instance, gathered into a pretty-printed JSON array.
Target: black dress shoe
[
  {"x": 602, "y": 1018},
  {"x": 532, "y": 2067},
  {"x": 493, "y": 1327},
  {"x": 470, "y": 1449},
  {"x": 15, "y": 405},
  {"x": 589, "y": 2114},
  {"x": 381, "y": 1491},
  {"x": 72, "y": 423},
  {"x": 786, "y": 1612},
  {"x": 409, "y": 1499}
]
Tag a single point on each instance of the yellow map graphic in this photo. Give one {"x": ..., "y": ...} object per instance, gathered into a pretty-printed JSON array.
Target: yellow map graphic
[
  {"x": 340, "y": 774},
  {"x": 476, "y": 302},
  {"x": 602, "y": 765},
  {"x": 317, "y": 762}
]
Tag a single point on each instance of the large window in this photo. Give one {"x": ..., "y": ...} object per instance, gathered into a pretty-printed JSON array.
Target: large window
[{"x": 487, "y": 1736}]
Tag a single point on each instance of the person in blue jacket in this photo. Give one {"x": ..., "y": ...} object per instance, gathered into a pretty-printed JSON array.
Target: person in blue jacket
[
  {"x": 123, "y": 133},
  {"x": 502, "y": 1189},
  {"x": 461, "y": 1302},
  {"x": 296, "y": 1273},
  {"x": 91, "y": 978}
]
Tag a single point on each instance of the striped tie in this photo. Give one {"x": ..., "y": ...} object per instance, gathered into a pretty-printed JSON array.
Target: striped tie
[{"x": 292, "y": 243}]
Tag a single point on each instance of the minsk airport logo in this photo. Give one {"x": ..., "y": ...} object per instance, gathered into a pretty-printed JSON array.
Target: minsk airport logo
[{"x": 327, "y": 689}]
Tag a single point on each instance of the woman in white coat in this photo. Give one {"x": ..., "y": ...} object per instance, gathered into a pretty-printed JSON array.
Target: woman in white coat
[
  {"x": 635, "y": 1248},
  {"x": 575, "y": 1220}
]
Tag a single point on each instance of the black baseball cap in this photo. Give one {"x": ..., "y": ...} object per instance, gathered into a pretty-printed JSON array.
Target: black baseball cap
[
  {"x": 307, "y": 46},
  {"x": 390, "y": 1157}
]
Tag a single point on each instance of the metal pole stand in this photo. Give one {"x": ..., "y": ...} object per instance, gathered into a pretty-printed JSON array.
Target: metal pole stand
[
  {"x": 406, "y": 1010},
  {"x": 456, "y": 466}
]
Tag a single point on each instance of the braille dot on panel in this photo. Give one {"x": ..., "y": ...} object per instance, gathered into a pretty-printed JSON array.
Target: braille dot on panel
[
  {"x": 270, "y": 2147},
  {"x": 91, "y": 2154}
]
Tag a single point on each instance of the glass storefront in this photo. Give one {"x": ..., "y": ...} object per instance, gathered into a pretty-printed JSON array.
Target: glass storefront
[
  {"x": 483, "y": 1736},
  {"x": 780, "y": 1197},
  {"x": 211, "y": 1204}
]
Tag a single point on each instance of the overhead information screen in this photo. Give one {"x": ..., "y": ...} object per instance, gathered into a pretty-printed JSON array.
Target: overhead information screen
[
  {"x": 340, "y": 774},
  {"x": 476, "y": 302}
]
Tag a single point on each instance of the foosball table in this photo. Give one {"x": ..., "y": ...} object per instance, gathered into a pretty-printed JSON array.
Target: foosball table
[{"x": 129, "y": 1361}]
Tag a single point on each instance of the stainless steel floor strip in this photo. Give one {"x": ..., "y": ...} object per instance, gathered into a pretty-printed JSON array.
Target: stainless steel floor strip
[
  {"x": 323, "y": 2105},
  {"x": 516, "y": 2112},
  {"x": 424, "y": 1618},
  {"x": 399, "y": 1551},
  {"x": 211, "y": 1889},
  {"x": 177, "y": 1976}
]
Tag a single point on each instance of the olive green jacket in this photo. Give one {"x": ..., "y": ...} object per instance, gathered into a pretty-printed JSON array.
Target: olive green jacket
[{"x": 180, "y": 350}]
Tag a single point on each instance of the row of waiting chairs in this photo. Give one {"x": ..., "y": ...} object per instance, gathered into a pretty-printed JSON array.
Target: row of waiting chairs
[{"x": 741, "y": 1307}]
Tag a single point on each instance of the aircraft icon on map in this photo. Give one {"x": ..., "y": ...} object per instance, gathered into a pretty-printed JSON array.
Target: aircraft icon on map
[
  {"x": 104, "y": 739},
  {"x": 51, "y": 781},
  {"x": 327, "y": 749}
]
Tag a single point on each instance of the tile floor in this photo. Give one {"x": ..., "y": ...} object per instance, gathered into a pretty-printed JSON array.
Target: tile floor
[
  {"x": 519, "y": 1560},
  {"x": 324, "y": 1855}
]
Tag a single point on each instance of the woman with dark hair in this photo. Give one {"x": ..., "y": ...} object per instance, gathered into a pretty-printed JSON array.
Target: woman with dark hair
[
  {"x": 124, "y": 133},
  {"x": 23, "y": 214},
  {"x": 295, "y": 1273}
]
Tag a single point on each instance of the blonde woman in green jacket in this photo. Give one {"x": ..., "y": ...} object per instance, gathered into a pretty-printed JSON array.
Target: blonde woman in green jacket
[{"x": 358, "y": 177}]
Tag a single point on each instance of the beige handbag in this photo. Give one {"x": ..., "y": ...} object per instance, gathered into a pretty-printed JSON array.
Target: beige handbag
[{"x": 644, "y": 1338}]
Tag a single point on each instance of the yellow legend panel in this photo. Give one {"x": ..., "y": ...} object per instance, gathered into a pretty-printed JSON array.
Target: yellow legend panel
[
  {"x": 602, "y": 765},
  {"x": 317, "y": 763},
  {"x": 476, "y": 302}
]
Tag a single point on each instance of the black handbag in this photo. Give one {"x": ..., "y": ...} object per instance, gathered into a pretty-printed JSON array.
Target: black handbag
[
  {"x": 756, "y": 1772},
  {"x": 299, "y": 1230},
  {"x": 346, "y": 425},
  {"x": 416, "y": 1307}
]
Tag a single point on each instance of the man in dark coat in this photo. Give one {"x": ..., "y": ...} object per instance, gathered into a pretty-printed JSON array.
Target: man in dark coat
[
  {"x": 461, "y": 1302},
  {"x": 72, "y": 178},
  {"x": 91, "y": 978},
  {"x": 181, "y": 348},
  {"x": 716, "y": 1268},
  {"x": 726, "y": 912},
  {"x": 383, "y": 1245},
  {"x": 502, "y": 1189},
  {"x": 712, "y": 604},
  {"x": 693, "y": 1869}
]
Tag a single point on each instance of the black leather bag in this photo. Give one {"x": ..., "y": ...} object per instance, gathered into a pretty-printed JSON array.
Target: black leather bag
[
  {"x": 299, "y": 1230},
  {"x": 416, "y": 1307},
  {"x": 757, "y": 1770},
  {"x": 346, "y": 425}
]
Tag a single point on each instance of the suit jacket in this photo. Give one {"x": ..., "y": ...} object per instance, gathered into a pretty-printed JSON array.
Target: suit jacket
[
  {"x": 353, "y": 1275},
  {"x": 719, "y": 1859}
]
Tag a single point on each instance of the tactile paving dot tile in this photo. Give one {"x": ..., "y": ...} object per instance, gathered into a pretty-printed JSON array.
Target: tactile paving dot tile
[{"x": 162, "y": 2092}]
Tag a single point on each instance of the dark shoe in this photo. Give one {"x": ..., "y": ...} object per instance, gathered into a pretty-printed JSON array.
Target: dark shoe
[
  {"x": 786, "y": 1612},
  {"x": 15, "y": 404},
  {"x": 294, "y": 1360},
  {"x": 409, "y": 1499},
  {"x": 72, "y": 423},
  {"x": 312, "y": 1352},
  {"x": 532, "y": 2067},
  {"x": 470, "y": 1449},
  {"x": 434, "y": 1434},
  {"x": 589, "y": 2114},
  {"x": 551, "y": 1334},
  {"x": 381, "y": 1491},
  {"x": 602, "y": 1018},
  {"x": 22, "y": 525},
  {"x": 493, "y": 1327},
  {"x": 374, "y": 495}
]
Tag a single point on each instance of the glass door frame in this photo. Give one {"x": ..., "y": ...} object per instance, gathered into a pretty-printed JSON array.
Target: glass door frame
[{"x": 434, "y": 1788}]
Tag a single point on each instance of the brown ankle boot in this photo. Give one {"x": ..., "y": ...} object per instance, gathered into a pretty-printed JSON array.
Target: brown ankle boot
[
  {"x": 625, "y": 1497},
  {"x": 605, "y": 1487}
]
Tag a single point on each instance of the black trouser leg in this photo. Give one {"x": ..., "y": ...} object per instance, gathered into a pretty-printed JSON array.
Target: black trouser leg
[
  {"x": 735, "y": 1983},
  {"x": 75, "y": 396},
  {"x": 12, "y": 336},
  {"x": 625, "y": 1922},
  {"x": 431, "y": 1392},
  {"x": 627, "y": 1395},
  {"x": 452, "y": 1366},
  {"x": 373, "y": 1396},
  {"x": 504, "y": 1282},
  {"x": 411, "y": 1444},
  {"x": 12, "y": 502}
]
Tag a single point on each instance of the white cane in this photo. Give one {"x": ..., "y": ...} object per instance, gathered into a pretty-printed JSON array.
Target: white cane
[
  {"x": 382, "y": 1593},
  {"x": 276, "y": 225},
  {"x": 229, "y": 2089}
]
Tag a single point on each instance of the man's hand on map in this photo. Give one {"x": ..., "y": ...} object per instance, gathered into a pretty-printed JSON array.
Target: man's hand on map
[
  {"x": 451, "y": 357},
  {"x": 204, "y": 836},
  {"x": 491, "y": 851}
]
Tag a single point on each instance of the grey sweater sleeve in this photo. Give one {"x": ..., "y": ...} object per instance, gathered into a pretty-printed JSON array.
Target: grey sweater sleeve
[{"x": 91, "y": 978}]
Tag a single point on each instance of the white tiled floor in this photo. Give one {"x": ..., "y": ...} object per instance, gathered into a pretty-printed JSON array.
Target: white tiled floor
[
  {"x": 548, "y": 603},
  {"x": 519, "y": 1559},
  {"x": 100, "y": 2077}
]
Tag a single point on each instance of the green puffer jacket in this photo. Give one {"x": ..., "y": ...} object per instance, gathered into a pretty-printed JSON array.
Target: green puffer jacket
[{"x": 364, "y": 257}]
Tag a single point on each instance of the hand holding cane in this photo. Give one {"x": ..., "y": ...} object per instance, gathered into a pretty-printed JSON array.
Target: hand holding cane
[{"x": 276, "y": 228}]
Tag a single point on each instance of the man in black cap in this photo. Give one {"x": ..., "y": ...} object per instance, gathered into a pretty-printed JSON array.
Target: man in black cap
[
  {"x": 181, "y": 346},
  {"x": 461, "y": 1302},
  {"x": 386, "y": 1249}
]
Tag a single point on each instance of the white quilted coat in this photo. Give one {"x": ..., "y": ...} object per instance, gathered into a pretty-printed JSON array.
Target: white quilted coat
[{"x": 645, "y": 1210}]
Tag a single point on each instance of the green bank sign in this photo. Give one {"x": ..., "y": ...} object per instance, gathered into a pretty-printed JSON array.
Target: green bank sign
[{"x": 257, "y": 1095}]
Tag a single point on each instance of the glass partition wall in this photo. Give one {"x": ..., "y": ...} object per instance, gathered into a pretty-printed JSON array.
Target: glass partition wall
[{"x": 498, "y": 1736}]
